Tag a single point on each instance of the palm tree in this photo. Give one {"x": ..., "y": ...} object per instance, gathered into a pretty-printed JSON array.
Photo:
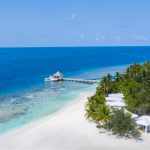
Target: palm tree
[
  {"x": 109, "y": 77},
  {"x": 97, "y": 111},
  {"x": 134, "y": 70},
  {"x": 105, "y": 85},
  {"x": 117, "y": 76}
]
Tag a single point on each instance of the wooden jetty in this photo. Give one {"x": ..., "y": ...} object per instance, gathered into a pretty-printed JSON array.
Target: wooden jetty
[
  {"x": 58, "y": 76},
  {"x": 81, "y": 80}
]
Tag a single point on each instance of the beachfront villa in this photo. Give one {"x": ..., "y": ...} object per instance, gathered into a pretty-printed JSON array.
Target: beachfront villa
[
  {"x": 116, "y": 100},
  {"x": 144, "y": 123}
]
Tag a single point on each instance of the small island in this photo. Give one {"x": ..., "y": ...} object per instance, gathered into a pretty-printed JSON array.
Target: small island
[{"x": 121, "y": 104}]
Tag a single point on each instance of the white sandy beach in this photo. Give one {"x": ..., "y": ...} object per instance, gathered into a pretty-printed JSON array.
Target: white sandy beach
[{"x": 67, "y": 130}]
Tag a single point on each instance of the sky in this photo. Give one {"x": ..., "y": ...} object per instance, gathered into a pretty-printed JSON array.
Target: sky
[{"x": 74, "y": 22}]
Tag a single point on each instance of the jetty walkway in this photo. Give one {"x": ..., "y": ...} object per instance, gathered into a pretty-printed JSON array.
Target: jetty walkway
[{"x": 81, "y": 80}]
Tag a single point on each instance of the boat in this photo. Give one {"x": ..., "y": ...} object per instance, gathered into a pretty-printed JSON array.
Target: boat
[{"x": 58, "y": 76}]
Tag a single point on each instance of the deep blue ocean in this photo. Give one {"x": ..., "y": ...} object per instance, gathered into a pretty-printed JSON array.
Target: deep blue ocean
[{"x": 25, "y": 97}]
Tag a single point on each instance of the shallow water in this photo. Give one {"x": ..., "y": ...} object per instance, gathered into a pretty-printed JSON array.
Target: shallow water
[{"x": 35, "y": 104}]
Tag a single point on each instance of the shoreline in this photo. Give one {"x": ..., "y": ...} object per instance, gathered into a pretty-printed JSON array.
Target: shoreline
[{"x": 67, "y": 129}]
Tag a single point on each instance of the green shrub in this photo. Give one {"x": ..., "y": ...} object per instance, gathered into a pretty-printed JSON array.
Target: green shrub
[{"x": 122, "y": 124}]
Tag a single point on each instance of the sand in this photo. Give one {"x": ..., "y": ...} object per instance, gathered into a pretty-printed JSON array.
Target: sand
[{"x": 67, "y": 130}]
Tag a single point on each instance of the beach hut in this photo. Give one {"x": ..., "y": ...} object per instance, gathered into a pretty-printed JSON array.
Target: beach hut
[
  {"x": 144, "y": 122},
  {"x": 115, "y": 100},
  {"x": 115, "y": 97}
]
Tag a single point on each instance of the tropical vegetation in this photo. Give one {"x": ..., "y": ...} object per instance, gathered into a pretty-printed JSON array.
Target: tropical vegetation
[
  {"x": 122, "y": 124},
  {"x": 134, "y": 83}
]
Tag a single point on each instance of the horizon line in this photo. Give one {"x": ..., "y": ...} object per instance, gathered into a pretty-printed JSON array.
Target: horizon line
[{"x": 69, "y": 46}]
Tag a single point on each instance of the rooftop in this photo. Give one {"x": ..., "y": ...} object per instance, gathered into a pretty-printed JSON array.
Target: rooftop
[
  {"x": 115, "y": 100},
  {"x": 143, "y": 120},
  {"x": 58, "y": 74}
]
